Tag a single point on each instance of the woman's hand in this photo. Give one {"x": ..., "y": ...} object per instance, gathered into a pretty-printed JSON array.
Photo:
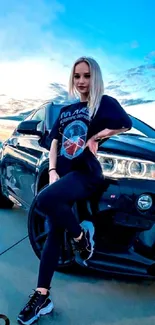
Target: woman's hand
[
  {"x": 92, "y": 145},
  {"x": 53, "y": 176}
]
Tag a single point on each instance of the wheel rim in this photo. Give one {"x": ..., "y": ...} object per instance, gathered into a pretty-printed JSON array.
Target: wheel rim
[{"x": 39, "y": 230}]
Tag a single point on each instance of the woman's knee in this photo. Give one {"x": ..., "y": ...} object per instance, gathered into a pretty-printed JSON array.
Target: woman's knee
[{"x": 48, "y": 199}]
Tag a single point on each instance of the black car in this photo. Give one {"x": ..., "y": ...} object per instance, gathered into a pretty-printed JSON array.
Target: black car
[{"x": 122, "y": 214}]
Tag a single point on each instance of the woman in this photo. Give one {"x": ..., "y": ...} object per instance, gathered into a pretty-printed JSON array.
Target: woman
[{"x": 74, "y": 173}]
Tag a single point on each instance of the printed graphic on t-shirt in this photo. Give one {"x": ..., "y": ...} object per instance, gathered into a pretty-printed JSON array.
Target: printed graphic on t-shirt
[
  {"x": 74, "y": 139},
  {"x": 78, "y": 113}
]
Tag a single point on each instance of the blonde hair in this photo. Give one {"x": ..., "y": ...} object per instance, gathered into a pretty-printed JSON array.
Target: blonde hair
[{"x": 96, "y": 84}]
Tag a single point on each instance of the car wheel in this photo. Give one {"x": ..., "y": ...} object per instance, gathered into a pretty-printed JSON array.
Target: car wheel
[
  {"x": 37, "y": 232},
  {"x": 5, "y": 203}
]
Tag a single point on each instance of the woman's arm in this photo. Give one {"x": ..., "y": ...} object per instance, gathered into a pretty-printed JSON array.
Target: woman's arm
[
  {"x": 53, "y": 176},
  {"x": 108, "y": 133},
  {"x": 92, "y": 143},
  {"x": 53, "y": 154},
  {"x": 113, "y": 119}
]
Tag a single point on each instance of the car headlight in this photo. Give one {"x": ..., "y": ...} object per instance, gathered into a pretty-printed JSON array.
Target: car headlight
[{"x": 120, "y": 167}]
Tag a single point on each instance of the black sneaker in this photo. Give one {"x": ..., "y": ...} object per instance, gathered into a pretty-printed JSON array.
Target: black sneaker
[
  {"x": 84, "y": 248},
  {"x": 37, "y": 305}
]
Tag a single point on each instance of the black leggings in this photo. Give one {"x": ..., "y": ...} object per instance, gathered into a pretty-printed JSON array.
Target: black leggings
[{"x": 56, "y": 202}]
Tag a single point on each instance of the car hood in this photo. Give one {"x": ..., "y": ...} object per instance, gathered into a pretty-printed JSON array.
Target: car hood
[{"x": 133, "y": 146}]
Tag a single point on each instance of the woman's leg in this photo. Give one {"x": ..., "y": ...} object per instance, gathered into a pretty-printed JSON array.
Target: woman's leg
[
  {"x": 50, "y": 253},
  {"x": 56, "y": 201}
]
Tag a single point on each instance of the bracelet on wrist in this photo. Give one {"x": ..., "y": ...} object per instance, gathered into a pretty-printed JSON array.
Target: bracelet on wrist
[{"x": 51, "y": 169}]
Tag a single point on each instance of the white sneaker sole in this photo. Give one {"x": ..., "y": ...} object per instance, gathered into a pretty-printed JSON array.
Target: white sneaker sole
[
  {"x": 48, "y": 309},
  {"x": 88, "y": 226}
]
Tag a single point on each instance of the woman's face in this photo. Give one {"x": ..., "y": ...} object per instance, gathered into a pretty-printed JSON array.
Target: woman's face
[{"x": 82, "y": 78}]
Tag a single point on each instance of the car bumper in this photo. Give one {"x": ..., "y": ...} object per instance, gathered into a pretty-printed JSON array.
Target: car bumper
[
  {"x": 121, "y": 198},
  {"x": 128, "y": 263}
]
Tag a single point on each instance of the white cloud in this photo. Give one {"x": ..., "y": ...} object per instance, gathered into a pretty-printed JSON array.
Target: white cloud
[
  {"x": 30, "y": 74},
  {"x": 32, "y": 55},
  {"x": 23, "y": 27},
  {"x": 29, "y": 77},
  {"x": 145, "y": 112},
  {"x": 26, "y": 47},
  {"x": 28, "y": 42}
]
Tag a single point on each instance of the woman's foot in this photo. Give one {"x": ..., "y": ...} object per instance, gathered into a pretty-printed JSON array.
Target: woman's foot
[
  {"x": 84, "y": 245},
  {"x": 39, "y": 304}
]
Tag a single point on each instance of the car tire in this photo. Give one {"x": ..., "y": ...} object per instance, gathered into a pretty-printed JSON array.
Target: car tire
[
  {"x": 37, "y": 233},
  {"x": 5, "y": 203}
]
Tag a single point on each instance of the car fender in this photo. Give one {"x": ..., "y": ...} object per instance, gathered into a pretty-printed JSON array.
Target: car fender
[{"x": 42, "y": 177}]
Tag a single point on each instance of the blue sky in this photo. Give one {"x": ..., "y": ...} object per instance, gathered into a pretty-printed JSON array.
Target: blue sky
[{"x": 40, "y": 39}]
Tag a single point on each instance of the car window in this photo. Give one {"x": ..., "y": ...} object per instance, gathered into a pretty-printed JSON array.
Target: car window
[
  {"x": 29, "y": 117},
  {"x": 52, "y": 112},
  {"x": 39, "y": 115}
]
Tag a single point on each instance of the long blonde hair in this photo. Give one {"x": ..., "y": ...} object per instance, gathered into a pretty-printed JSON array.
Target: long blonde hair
[{"x": 96, "y": 84}]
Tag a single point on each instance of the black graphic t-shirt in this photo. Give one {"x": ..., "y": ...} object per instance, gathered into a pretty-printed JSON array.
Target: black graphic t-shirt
[
  {"x": 70, "y": 129},
  {"x": 74, "y": 127}
]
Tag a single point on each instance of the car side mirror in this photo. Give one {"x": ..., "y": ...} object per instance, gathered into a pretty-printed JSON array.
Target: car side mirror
[{"x": 31, "y": 127}]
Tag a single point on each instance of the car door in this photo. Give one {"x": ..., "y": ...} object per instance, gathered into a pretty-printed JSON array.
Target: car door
[{"x": 21, "y": 155}]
